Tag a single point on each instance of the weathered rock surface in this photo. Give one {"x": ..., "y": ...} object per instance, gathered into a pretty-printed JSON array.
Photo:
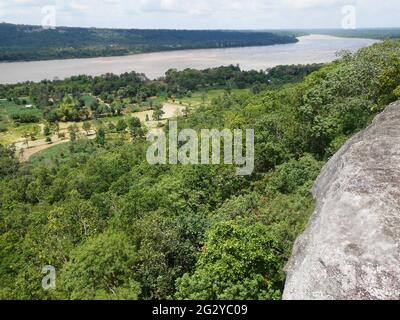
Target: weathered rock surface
[{"x": 350, "y": 249}]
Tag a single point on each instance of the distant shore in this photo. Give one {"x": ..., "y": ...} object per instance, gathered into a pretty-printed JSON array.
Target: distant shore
[{"x": 309, "y": 49}]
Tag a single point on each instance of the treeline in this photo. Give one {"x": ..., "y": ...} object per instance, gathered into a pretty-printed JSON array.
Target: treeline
[
  {"x": 64, "y": 100},
  {"x": 48, "y": 92},
  {"x": 180, "y": 82},
  {"x": 26, "y": 116},
  {"x": 82, "y": 97},
  {"x": 21, "y": 42},
  {"x": 370, "y": 33},
  {"x": 115, "y": 227}
]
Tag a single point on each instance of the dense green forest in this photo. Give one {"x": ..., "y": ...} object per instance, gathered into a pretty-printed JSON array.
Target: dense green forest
[
  {"x": 115, "y": 227},
  {"x": 23, "y": 42}
]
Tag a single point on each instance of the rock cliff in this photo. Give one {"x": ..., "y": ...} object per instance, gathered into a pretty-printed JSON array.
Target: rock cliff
[{"x": 350, "y": 249}]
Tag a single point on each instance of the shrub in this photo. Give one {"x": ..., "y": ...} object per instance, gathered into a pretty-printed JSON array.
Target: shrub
[
  {"x": 3, "y": 128},
  {"x": 25, "y": 117}
]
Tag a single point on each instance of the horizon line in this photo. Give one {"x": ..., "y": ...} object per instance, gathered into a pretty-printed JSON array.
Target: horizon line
[{"x": 216, "y": 29}]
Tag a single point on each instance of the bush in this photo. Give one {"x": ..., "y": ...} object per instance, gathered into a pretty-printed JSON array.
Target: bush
[
  {"x": 397, "y": 92},
  {"x": 3, "y": 128},
  {"x": 25, "y": 117}
]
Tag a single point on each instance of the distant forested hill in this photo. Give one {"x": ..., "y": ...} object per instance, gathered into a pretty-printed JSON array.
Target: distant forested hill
[
  {"x": 377, "y": 33},
  {"x": 21, "y": 42}
]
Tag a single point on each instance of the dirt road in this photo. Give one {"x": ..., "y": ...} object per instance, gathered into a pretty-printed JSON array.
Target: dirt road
[{"x": 171, "y": 110}]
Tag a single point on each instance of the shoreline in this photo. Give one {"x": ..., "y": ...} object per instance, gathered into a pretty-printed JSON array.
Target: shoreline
[{"x": 155, "y": 64}]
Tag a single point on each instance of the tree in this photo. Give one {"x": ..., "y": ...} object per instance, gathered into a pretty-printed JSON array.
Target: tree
[
  {"x": 87, "y": 126},
  {"x": 203, "y": 98},
  {"x": 135, "y": 127},
  {"x": 101, "y": 137},
  {"x": 26, "y": 136},
  {"x": 121, "y": 126},
  {"x": 34, "y": 132},
  {"x": 111, "y": 127},
  {"x": 32, "y": 135},
  {"x": 101, "y": 268},
  {"x": 238, "y": 262},
  {"x": 95, "y": 106},
  {"x": 73, "y": 132},
  {"x": 47, "y": 130},
  {"x": 57, "y": 128},
  {"x": 158, "y": 113},
  {"x": 69, "y": 109},
  {"x": 116, "y": 108},
  {"x": 186, "y": 110},
  {"x": 8, "y": 163}
]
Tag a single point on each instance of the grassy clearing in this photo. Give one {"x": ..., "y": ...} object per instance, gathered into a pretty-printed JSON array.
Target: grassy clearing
[
  {"x": 159, "y": 99},
  {"x": 11, "y": 131},
  {"x": 16, "y": 131},
  {"x": 7, "y": 108},
  {"x": 206, "y": 97},
  {"x": 59, "y": 152}
]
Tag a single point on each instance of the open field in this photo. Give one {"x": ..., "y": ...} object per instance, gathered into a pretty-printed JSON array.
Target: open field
[
  {"x": 172, "y": 108},
  {"x": 205, "y": 97},
  {"x": 25, "y": 152},
  {"x": 56, "y": 150}
]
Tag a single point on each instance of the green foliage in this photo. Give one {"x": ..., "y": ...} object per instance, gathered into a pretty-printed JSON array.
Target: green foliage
[
  {"x": 396, "y": 92},
  {"x": 87, "y": 126},
  {"x": 73, "y": 132},
  {"x": 47, "y": 130},
  {"x": 101, "y": 269},
  {"x": 158, "y": 113},
  {"x": 238, "y": 262},
  {"x": 183, "y": 82},
  {"x": 292, "y": 175},
  {"x": 101, "y": 136},
  {"x": 8, "y": 162},
  {"x": 121, "y": 125},
  {"x": 25, "y": 117},
  {"x": 116, "y": 227},
  {"x": 3, "y": 128}
]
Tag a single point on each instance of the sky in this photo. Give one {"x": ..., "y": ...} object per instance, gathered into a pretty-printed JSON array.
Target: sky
[{"x": 204, "y": 14}]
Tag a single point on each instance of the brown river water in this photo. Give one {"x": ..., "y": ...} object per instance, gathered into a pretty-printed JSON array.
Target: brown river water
[{"x": 310, "y": 49}]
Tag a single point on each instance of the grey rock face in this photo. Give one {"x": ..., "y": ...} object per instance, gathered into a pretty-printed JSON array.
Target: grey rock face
[{"x": 350, "y": 249}]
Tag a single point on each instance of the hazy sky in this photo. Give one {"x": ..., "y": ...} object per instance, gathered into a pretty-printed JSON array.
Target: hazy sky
[{"x": 203, "y": 14}]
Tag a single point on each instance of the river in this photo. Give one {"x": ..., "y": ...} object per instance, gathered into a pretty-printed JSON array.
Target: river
[{"x": 310, "y": 49}]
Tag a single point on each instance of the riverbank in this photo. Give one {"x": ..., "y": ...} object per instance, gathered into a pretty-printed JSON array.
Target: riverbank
[{"x": 309, "y": 49}]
